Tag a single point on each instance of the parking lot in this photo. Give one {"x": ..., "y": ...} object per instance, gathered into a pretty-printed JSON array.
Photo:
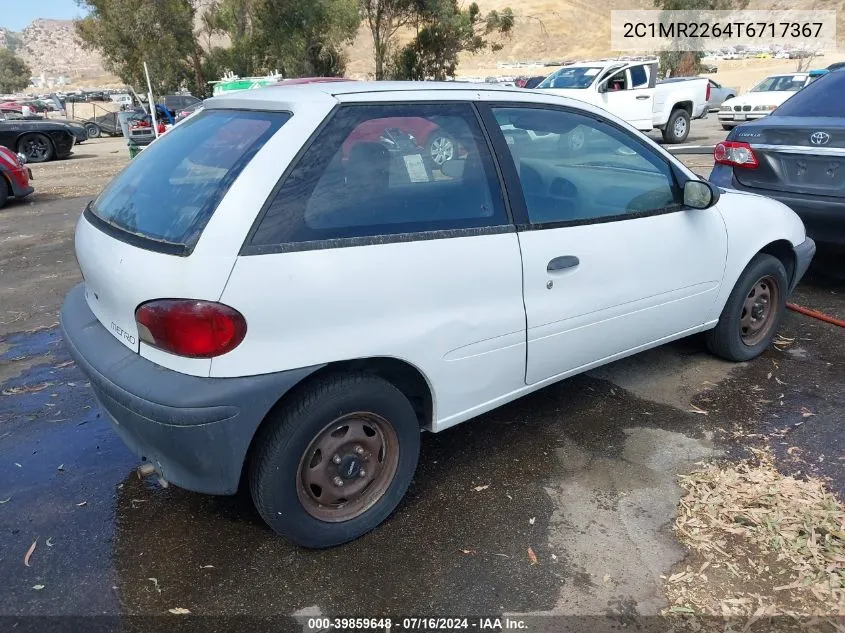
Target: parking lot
[{"x": 560, "y": 503}]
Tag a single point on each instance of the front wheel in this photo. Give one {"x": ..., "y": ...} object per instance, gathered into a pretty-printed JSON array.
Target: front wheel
[
  {"x": 36, "y": 147},
  {"x": 677, "y": 127},
  {"x": 753, "y": 312},
  {"x": 335, "y": 461}
]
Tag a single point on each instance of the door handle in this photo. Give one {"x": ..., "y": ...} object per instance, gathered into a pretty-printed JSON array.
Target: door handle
[
  {"x": 642, "y": 97},
  {"x": 562, "y": 263}
]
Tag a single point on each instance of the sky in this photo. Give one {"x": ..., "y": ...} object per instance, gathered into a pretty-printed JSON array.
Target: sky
[{"x": 17, "y": 14}]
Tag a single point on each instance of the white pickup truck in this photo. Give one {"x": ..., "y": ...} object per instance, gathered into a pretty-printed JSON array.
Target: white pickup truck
[{"x": 630, "y": 91}]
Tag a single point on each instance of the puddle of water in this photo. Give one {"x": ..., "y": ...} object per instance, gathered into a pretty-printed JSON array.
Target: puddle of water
[{"x": 59, "y": 466}]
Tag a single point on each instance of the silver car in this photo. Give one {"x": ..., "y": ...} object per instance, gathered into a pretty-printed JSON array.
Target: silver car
[{"x": 718, "y": 95}]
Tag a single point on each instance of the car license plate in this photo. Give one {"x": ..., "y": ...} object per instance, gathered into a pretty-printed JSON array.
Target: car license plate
[{"x": 739, "y": 117}]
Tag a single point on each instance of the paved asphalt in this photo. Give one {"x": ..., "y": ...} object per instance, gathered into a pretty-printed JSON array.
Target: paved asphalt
[{"x": 582, "y": 472}]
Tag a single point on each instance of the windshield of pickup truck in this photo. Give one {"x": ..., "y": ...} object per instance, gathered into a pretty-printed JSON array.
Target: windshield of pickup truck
[
  {"x": 777, "y": 83},
  {"x": 577, "y": 77}
]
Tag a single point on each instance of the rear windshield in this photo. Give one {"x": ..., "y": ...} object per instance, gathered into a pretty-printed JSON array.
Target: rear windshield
[
  {"x": 824, "y": 98},
  {"x": 171, "y": 189}
]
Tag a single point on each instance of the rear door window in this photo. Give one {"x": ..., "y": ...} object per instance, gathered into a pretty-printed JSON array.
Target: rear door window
[
  {"x": 639, "y": 77},
  {"x": 170, "y": 190},
  {"x": 378, "y": 170}
]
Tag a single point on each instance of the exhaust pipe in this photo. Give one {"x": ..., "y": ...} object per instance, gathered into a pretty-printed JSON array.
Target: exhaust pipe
[{"x": 147, "y": 469}]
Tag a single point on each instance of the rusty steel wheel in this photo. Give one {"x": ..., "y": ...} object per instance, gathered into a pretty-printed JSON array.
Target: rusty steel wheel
[
  {"x": 758, "y": 310},
  {"x": 753, "y": 311},
  {"x": 334, "y": 459},
  {"x": 348, "y": 467}
]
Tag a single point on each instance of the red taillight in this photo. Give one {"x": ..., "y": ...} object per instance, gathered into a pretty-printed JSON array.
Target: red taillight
[
  {"x": 185, "y": 327},
  {"x": 707, "y": 98},
  {"x": 735, "y": 154}
]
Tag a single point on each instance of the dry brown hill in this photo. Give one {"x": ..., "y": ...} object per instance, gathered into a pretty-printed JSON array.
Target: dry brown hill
[
  {"x": 50, "y": 47},
  {"x": 563, "y": 29}
]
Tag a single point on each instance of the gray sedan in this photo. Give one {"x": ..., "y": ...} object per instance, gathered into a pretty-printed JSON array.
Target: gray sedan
[{"x": 718, "y": 95}]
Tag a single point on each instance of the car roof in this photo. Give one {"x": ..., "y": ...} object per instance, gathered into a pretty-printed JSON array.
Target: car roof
[{"x": 272, "y": 97}]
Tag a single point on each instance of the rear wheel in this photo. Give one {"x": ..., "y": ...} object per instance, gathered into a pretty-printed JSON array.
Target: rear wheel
[
  {"x": 93, "y": 130},
  {"x": 753, "y": 312},
  {"x": 334, "y": 462},
  {"x": 727, "y": 128},
  {"x": 36, "y": 147},
  {"x": 4, "y": 191},
  {"x": 677, "y": 127}
]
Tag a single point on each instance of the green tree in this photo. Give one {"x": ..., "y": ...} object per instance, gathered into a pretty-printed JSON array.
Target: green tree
[
  {"x": 384, "y": 18},
  {"x": 14, "y": 73},
  {"x": 444, "y": 30},
  {"x": 294, "y": 37},
  {"x": 159, "y": 32},
  {"x": 678, "y": 63}
]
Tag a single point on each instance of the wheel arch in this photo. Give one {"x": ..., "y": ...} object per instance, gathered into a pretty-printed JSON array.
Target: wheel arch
[
  {"x": 400, "y": 373},
  {"x": 682, "y": 105},
  {"x": 783, "y": 250},
  {"x": 7, "y": 183}
]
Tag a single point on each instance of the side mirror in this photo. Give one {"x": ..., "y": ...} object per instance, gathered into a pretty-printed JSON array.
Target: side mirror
[
  {"x": 700, "y": 194},
  {"x": 603, "y": 85}
]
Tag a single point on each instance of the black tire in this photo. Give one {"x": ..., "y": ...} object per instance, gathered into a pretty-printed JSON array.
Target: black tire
[
  {"x": 93, "y": 130},
  {"x": 4, "y": 191},
  {"x": 726, "y": 339},
  {"x": 677, "y": 127},
  {"x": 281, "y": 444},
  {"x": 727, "y": 128},
  {"x": 36, "y": 147}
]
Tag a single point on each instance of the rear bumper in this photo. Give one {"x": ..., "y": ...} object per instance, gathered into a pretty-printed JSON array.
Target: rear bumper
[
  {"x": 196, "y": 431},
  {"x": 823, "y": 217}
]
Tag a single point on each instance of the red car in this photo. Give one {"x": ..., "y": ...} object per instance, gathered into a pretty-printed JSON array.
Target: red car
[
  {"x": 14, "y": 177},
  {"x": 439, "y": 145}
]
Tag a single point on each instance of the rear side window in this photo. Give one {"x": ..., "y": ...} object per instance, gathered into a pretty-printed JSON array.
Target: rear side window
[
  {"x": 170, "y": 190},
  {"x": 824, "y": 98},
  {"x": 378, "y": 170},
  {"x": 639, "y": 78}
]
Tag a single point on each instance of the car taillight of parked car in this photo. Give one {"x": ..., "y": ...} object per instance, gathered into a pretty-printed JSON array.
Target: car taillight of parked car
[
  {"x": 735, "y": 154},
  {"x": 707, "y": 96},
  {"x": 190, "y": 328}
]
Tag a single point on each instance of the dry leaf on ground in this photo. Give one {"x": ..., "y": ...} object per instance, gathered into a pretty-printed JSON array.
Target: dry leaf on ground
[{"x": 29, "y": 553}]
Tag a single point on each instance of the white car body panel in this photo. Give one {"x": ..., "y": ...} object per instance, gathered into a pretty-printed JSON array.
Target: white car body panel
[
  {"x": 633, "y": 285},
  {"x": 752, "y": 222},
  {"x": 452, "y": 308},
  {"x": 472, "y": 313}
]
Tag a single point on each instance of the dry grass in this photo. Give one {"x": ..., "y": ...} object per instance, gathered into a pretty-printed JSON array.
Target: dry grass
[{"x": 763, "y": 544}]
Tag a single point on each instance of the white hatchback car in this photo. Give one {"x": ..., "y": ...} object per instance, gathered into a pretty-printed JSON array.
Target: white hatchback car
[{"x": 287, "y": 288}]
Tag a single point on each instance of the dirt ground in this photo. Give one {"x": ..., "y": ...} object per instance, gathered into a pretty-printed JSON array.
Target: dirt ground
[{"x": 85, "y": 173}]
